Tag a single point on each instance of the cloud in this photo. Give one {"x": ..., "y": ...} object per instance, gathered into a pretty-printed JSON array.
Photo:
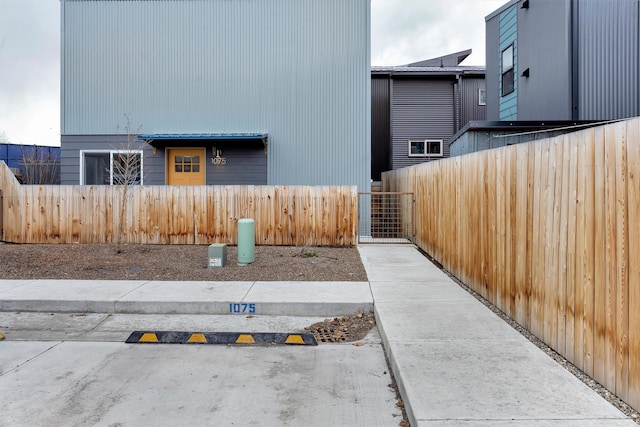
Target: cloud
[
  {"x": 405, "y": 31},
  {"x": 29, "y": 70}
]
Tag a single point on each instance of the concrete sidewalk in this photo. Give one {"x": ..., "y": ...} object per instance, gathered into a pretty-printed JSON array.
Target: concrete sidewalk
[
  {"x": 157, "y": 297},
  {"x": 455, "y": 362}
]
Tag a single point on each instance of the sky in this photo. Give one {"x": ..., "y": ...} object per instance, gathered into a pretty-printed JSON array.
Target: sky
[{"x": 402, "y": 31}]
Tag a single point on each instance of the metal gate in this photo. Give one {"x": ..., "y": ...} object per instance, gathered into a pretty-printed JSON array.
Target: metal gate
[{"x": 385, "y": 217}]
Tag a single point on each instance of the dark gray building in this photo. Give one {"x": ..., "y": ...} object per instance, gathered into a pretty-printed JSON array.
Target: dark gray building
[
  {"x": 416, "y": 109},
  {"x": 563, "y": 60},
  {"x": 484, "y": 135}
]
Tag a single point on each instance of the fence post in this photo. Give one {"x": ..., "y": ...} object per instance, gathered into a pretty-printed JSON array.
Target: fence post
[{"x": 1, "y": 212}]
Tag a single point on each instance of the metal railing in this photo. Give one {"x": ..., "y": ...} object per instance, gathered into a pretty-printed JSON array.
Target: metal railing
[{"x": 385, "y": 217}]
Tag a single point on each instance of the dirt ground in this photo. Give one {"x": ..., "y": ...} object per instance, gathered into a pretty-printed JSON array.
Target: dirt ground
[
  {"x": 189, "y": 262},
  {"x": 177, "y": 262}
]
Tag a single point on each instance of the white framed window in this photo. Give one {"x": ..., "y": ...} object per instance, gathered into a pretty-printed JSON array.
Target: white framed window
[
  {"x": 111, "y": 167},
  {"x": 482, "y": 96},
  {"x": 425, "y": 148}
]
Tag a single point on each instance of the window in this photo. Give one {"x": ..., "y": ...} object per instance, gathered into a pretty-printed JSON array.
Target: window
[
  {"x": 111, "y": 167},
  {"x": 508, "y": 84},
  {"x": 482, "y": 96},
  {"x": 425, "y": 148},
  {"x": 187, "y": 163}
]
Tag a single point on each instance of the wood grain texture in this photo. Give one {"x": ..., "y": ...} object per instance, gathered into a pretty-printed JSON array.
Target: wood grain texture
[
  {"x": 548, "y": 231},
  {"x": 283, "y": 215}
]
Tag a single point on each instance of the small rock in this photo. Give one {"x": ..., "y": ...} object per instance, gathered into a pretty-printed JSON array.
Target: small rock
[{"x": 135, "y": 269}]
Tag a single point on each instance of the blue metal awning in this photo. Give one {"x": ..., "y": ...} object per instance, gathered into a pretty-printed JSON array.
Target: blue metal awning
[
  {"x": 161, "y": 139},
  {"x": 202, "y": 136}
]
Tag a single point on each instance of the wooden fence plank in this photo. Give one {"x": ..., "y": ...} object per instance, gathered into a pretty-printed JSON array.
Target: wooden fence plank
[
  {"x": 553, "y": 234},
  {"x": 599, "y": 274},
  {"x": 563, "y": 245},
  {"x": 572, "y": 231},
  {"x": 622, "y": 263},
  {"x": 537, "y": 253},
  {"x": 551, "y": 217},
  {"x": 522, "y": 258},
  {"x": 588, "y": 293},
  {"x": 499, "y": 194},
  {"x": 610, "y": 291},
  {"x": 633, "y": 209},
  {"x": 578, "y": 335}
]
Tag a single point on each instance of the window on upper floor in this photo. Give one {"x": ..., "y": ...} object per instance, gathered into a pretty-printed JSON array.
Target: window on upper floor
[
  {"x": 111, "y": 167},
  {"x": 508, "y": 82},
  {"x": 482, "y": 96},
  {"x": 425, "y": 148}
]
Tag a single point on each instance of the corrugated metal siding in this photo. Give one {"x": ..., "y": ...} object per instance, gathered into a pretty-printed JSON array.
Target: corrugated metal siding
[
  {"x": 380, "y": 127},
  {"x": 608, "y": 62},
  {"x": 493, "y": 68},
  {"x": 478, "y": 140},
  {"x": 546, "y": 93},
  {"x": 246, "y": 164},
  {"x": 422, "y": 109},
  {"x": 470, "y": 109},
  {"x": 13, "y": 154},
  {"x": 508, "y": 35},
  {"x": 297, "y": 70}
]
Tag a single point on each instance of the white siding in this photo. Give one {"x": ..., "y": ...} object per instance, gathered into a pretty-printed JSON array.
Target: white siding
[{"x": 295, "y": 69}]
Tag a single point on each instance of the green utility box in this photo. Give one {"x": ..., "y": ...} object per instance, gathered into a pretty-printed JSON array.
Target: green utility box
[
  {"x": 246, "y": 241},
  {"x": 217, "y": 255}
]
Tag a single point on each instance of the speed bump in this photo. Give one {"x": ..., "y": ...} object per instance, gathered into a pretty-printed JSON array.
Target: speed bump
[
  {"x": 1, "y": 336},
  {"x": 245, "y": 339},
  {"x": 149, "y": 337},
  {"x": 259, "y": 338},
  {"x": 197, "y": 338}
]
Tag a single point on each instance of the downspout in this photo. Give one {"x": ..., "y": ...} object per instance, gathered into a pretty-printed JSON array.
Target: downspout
[
  {"x": 62, "y": 15},
  {"x": 574, "y": 87},
  {"x": 456, "y": 104},
  {"x": 390, "y": 164}
]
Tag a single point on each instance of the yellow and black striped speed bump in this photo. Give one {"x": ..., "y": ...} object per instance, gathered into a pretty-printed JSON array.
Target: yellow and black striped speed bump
[
  {"x": 1, "y": 336},
  {"x": 259, "y": 338}
]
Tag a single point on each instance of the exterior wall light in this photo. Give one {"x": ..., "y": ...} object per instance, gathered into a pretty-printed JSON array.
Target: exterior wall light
[{"x": 218, "y": 159}]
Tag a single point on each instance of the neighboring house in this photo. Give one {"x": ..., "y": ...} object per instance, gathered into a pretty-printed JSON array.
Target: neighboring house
[
  {"x": 484, "y": 135},
  {"x": 224, "y": 92},
  {"x": 416, "y": 109},
  {"x": 32, "y": 164},
  {"x": 563, "y": 60}
]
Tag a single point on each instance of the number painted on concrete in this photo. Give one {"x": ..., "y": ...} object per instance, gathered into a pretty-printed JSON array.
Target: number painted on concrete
[{"x": 242, "y": 308}]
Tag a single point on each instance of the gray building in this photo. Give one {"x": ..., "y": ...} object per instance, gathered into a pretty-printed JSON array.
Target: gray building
[
  {"x": 563, "y": 60},
  {"x": 417, "y": 108},
  {"x": 220, "y": 92},
  {"x": 484, "y": 135}
]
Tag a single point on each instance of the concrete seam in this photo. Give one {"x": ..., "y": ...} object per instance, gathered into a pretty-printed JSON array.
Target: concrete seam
[
  {"x": 146, "y": 282},
  {"x": 244, "y": 297},
  {"x": 107, "y": 317},
  {"x": 29, "y": 360}
]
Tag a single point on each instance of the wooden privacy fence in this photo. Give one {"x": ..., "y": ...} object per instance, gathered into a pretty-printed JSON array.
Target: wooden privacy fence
[
  {"x": 283, "y": 215},
  {"x": 550, "y": 233}
]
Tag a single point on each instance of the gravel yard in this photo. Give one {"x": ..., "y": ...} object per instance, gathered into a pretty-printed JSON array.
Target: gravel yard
[{"x": 177, "y": 262}]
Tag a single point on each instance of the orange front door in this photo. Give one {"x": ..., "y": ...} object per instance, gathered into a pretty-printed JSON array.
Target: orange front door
[{"x": 185, "y": 166}]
